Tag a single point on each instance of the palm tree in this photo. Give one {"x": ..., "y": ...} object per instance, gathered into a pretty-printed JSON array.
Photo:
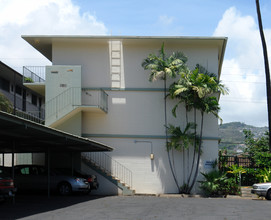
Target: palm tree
[
  {"x": 163, "y": 67},
  {"x": 267, "y": 72},
  {"x": 195, "y": 88}
]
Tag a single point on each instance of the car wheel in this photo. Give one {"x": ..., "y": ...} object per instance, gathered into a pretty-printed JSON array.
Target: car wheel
[
  {"x": 64, "y": 189},
  {"x": 268, "y": 195}
]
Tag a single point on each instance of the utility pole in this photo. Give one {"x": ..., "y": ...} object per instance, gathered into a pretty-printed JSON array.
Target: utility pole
[{"x": 267, "y": 72}]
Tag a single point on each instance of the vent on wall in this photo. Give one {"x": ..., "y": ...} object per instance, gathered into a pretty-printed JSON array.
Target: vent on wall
[{"x": 63, "y": 85}]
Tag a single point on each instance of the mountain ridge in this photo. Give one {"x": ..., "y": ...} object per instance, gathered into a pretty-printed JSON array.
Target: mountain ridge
[{"x": 233, "y": 138}]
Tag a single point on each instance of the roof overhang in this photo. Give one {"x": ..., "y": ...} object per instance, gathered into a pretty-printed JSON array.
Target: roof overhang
[
  {"x": 22, "y": 136},
  {"x": 44, "y": 43},
  {"x": 10, "y": 74}
]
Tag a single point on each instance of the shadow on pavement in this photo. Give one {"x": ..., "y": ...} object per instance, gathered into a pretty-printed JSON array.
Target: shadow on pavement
[{"x": 27, "y": 205}]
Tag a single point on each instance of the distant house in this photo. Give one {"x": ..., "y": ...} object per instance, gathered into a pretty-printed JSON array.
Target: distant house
[{"x": 96, "y": 88}]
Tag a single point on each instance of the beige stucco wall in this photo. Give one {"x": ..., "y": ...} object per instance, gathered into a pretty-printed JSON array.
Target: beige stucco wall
[{"x": 137, "y": 111}]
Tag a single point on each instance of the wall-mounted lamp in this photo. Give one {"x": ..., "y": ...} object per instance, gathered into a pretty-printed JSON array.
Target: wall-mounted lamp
[{"x": 151, "y": 155}]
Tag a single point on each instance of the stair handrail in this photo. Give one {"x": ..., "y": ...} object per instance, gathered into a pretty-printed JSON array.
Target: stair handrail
[
  {"x": 67, "y": 98},
  {"x": 110, "y": 166}
]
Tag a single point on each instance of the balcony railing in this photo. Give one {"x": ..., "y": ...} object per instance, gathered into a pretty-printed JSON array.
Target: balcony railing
[
  {"x": 95, "y": 98},
  {"x": 33, "y": 74},
  {"x": 72, "y": 98},
  {"x": 36, "y": 116},
  {"x": 24, "y": 108}
]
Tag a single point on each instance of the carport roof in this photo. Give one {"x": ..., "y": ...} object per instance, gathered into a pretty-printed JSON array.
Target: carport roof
[{"x": 22, "y": 136}]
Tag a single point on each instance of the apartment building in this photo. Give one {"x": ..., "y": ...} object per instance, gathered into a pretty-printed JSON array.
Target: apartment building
[{"x": 96, "y": 88}]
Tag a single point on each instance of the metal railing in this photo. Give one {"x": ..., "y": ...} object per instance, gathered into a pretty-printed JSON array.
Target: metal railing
[
  {"x": 63, "y": 103},
  {"x": 34, "y": 74},
  {"x": 72, "y": 98},
  {"x": 98, "y": 98},
  {"x": 244, "y": 161},
  {"x": 36, "y": 116},
  {"x": 110, "y": 166}
]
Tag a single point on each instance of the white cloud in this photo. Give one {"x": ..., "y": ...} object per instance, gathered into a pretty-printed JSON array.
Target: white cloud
[
  {"x": 165, "y": 20},
  {"x": 39, "y": 17},
  {"x": 243, "y": 69}
]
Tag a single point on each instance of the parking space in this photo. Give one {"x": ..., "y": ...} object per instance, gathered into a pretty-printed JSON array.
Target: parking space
[{"x": 134, "y": 207}]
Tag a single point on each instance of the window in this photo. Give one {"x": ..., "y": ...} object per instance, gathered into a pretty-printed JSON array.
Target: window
[
  {"x": 25, "y": 171},
  {"x": 34, "y": 99},
  {"x": 4, "y": 84},
  {"x": 18, "y": 90}
]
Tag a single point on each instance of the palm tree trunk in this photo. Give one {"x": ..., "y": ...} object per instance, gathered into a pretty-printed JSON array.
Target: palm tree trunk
[
  {"x": 169, "y": 159},
  {"x": 188, "y": 149},
  {"x": 267, "y": 73},
  {"x": 198, "y": 159},
  {"x": 184, "y": 166},
  {"x": 194, "y": 153}
]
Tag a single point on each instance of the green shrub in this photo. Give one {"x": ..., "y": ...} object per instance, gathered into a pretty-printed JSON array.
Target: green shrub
[{"x": 218, "y": 183}]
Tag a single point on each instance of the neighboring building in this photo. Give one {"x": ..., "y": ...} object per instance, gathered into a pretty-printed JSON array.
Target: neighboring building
[
  {"x": 26, "y": 103},
  {"x": 96, "y": 88}
]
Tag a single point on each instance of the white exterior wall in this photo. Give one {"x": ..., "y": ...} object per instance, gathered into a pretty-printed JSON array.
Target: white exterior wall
[{"x": 137, "y": 113}]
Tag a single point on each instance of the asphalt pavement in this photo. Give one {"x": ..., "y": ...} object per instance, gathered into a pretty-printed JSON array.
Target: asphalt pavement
[{"x": 134, "y": 208}]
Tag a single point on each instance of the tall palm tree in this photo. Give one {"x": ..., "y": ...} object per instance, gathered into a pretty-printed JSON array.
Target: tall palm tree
[
  {"x": 163, "y": 67},
  {"x": 195, "y": 89},
  {"x": 267, "y": 72}
]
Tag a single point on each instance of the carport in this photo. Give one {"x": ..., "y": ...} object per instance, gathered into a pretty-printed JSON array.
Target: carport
[{"x": 18, "y": 135}]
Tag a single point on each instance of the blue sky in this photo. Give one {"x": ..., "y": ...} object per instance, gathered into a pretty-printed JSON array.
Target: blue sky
[
  {"x": 243, "y": 70},
  {"x": 182, "y": 17}
]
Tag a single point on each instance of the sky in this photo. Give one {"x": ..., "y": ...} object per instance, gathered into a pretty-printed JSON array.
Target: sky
[{"x": 243, "y": 68}]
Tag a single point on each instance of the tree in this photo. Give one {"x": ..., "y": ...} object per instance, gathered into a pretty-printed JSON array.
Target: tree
[
  {"x": 5, "y": 104},
  {"x": 197, "y": 89},
  {"x": 267, "y": 72},
  {"x": 258, "y": 149},
  {"x": 163, "y": 67}
]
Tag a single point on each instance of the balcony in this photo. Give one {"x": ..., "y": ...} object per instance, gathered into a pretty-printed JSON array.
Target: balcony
[
  {"x": 74, "y": 100},
  {"x": 24, "y": 108},
  {"x": 34, "y": 78}
]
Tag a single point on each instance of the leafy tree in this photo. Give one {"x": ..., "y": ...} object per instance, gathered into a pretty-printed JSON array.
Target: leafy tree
[
  {"x": 162, "y": 67},
  {"x": 258, "y": 149},
  {"x": 5, "y": 104}
]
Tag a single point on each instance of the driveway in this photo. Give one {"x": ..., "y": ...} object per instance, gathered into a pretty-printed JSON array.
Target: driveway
[{"x": 134, "y": 207}]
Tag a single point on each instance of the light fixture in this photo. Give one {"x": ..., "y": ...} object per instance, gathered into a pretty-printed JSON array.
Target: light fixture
[{"x": 151, "y": 155}]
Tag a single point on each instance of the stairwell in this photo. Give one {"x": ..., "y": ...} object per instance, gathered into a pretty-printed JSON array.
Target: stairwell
[{"x": 111, "y": 170}]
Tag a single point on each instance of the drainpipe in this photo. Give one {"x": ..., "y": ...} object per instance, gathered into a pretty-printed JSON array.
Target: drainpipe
[{"x": 151, "y": 155}]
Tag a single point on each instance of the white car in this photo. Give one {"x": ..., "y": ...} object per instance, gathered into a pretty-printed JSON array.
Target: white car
[{"x": 262, "y": 189}]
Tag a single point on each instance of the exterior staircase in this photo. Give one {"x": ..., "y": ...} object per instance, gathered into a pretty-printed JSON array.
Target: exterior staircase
[{"x": 110, "y": 169}]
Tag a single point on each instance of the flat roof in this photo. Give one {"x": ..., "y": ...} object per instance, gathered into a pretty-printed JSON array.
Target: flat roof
[
  {"x": 44, "y": 43},
  {"x": 19, "y": 135}
]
